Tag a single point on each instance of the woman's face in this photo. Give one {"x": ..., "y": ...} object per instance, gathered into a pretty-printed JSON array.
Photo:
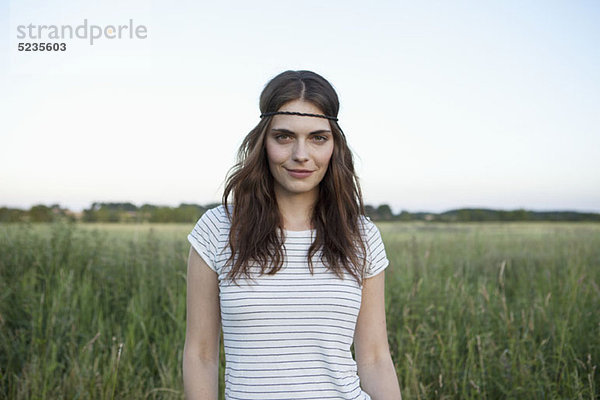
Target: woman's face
[{"x": 298, "y": 149}]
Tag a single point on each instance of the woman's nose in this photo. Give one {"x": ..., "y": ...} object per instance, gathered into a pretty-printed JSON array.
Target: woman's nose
[{"x": 300, "y": 153}]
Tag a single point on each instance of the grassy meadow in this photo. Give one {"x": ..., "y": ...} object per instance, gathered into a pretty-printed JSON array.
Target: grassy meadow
[{"x": 474, "y": 311}]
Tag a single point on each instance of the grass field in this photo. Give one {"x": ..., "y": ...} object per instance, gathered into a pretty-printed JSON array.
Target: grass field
[{"x": 475, "y": 311}]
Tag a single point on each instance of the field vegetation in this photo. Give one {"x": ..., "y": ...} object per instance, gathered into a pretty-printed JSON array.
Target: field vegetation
[{"x": 474, "y": 310}]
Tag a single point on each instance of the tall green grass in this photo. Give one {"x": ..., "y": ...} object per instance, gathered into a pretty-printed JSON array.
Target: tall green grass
[
  {"x": 495, "y": 311},
  {"x": 480, "y": 311},
  {"x": 91, "y": 313}
]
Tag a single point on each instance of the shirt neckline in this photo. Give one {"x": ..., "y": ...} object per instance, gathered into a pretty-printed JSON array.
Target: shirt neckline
[{"x": 299, "y": 233}]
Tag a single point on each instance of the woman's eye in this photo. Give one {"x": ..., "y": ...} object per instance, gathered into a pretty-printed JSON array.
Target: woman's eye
[
  {"x": 320, "y": 138},
  {"x": 283, "y": 136}
]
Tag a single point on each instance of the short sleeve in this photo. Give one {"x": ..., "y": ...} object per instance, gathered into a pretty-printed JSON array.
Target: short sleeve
[
  {"x": 377, "y": 259},
  {"x": 204, "y": 238}
]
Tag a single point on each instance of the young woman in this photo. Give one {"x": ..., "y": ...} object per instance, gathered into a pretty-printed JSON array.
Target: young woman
[{"x": 289, "y": 266}]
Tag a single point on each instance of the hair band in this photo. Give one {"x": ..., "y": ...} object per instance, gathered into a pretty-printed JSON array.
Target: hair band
[{"x": 268, "y": 114}]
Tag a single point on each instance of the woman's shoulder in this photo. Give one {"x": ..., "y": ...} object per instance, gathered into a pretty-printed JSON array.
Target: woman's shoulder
[
  {"x": 217, "y": 210},
  {"x": 209, "y": 236},
  {"x": 217, "y": 216},
  {"x": 365, "y": 224}
]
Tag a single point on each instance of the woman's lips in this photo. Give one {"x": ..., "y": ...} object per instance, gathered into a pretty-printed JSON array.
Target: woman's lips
[{"x": 299, "y": 173}]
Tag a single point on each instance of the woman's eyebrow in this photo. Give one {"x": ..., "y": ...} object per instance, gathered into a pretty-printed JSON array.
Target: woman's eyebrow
[{"x": 283, "y": 130}]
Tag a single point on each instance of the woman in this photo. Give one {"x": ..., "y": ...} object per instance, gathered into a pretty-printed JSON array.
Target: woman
[{"x": 289, "y": 265}]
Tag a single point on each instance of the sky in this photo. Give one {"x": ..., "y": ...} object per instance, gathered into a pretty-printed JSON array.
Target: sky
[{"x": 445, "y": 105}]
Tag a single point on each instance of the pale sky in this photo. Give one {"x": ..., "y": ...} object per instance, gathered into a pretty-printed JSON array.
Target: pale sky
[{"x": 446, "y": 104}]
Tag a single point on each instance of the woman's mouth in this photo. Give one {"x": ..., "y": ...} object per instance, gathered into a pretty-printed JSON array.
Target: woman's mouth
[{"x": 299, "y": 173}]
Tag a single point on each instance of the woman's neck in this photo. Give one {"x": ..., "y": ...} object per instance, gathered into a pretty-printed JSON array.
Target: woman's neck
[{"x": 296, "y": 209}]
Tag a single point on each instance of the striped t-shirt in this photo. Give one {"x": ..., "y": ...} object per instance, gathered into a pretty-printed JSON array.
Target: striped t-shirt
[{"x": 288, "y": 335}]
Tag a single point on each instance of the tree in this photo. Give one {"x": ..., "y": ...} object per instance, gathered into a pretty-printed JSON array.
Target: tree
[
  {"x": 405, "y": 216},
  {"x": 40, "y": 213},
  {"x": 11, "y": 215},
  {"x": 385, "y": 212}
]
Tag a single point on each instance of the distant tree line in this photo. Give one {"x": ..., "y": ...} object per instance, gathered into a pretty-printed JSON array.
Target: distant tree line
[
  {"x": 128, "y": 212},
  {"x": 189, "y": 213},
  {"x": 483, "y": 215}
]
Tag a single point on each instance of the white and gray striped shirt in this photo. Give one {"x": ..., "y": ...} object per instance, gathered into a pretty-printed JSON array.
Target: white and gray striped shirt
[{"x": 288, "y": 335}]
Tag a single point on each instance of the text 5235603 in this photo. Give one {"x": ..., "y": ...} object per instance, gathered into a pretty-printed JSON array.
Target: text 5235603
[{"x": 42, "y": 46}]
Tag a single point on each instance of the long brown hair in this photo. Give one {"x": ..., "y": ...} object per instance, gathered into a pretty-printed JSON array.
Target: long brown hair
[{"x": 255, "y": 218}]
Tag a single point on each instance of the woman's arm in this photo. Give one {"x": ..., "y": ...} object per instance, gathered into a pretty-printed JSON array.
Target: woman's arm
[
  {"x": 203, "y": 329},
  {"x": 375, "y": 367}
]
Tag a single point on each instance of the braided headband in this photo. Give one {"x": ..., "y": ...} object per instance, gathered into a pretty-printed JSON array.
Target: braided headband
[{"x": 268, "y": 114}]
